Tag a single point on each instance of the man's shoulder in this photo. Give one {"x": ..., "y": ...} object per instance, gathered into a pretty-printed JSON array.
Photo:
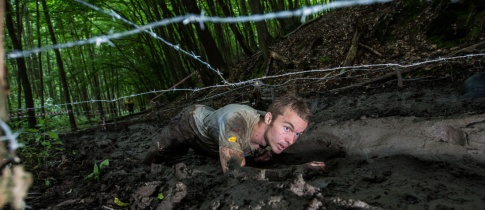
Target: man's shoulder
[{"x": 238, "y": 107}]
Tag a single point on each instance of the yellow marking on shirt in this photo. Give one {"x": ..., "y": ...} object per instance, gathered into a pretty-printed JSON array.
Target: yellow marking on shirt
[{"x": 232, "y": 139}]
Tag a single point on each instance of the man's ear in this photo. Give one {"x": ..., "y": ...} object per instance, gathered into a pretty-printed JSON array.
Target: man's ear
[{"x": 268, "y": 117}]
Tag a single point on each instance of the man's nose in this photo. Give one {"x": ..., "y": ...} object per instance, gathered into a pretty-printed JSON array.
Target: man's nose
[{"x": 291, "y": 139}]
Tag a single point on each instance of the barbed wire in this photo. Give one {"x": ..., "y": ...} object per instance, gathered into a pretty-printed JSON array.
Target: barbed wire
[
  {"x": 10, "y": 136},
  {"x": 201, "y": 19},
  {"x": 114, "y": 15},
  {"x": 371, "y": 68},
  {"x": 191, "y": 18}
]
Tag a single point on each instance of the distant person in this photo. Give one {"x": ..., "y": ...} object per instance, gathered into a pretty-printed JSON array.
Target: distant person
[
  {"x": 130, "y": 105},
  {"x": 233, "y": 133}
]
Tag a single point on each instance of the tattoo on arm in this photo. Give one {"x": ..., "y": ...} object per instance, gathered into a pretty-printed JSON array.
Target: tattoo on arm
[
  {"x": 231, "y": 159},
  {"x": 232, "y": 163}
]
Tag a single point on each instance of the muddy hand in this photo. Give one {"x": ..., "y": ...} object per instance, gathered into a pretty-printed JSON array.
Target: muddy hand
[
  {"x": 266, "y": 156},
  {"x": 315, "y": 165},
  {"x": 310, "y": 169}
]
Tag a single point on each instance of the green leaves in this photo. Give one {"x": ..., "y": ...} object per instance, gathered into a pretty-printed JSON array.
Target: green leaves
[
  {"x": 53, "y": 135},
  {"x": 104, "y": 164},
  {"x": 39, "y": 144},
  {"x": 160, "y": 196},
  {"x": 97, "y": 170}
]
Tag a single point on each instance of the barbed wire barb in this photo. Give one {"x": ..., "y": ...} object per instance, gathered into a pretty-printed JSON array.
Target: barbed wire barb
[{"x": 10, "y": 136}]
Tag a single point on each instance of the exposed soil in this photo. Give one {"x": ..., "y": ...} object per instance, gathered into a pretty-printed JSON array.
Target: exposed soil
[{"x": 419, "y": 146}]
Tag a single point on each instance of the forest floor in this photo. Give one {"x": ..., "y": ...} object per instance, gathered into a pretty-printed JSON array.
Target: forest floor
[{"x": 370, "y": 136}]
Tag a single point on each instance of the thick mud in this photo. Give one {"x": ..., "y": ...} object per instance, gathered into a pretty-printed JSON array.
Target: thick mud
[{"x": 362, "y": 144}]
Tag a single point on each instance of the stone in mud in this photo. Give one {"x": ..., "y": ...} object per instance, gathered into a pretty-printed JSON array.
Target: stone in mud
[
  {"x": 143, "y": 197},
  {"x": 173, "y": 197},
  {"x": 474, "y": 86}
]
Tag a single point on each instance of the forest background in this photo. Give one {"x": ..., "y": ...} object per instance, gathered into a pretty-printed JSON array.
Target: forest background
[
  {"x": 89, "y": 82},
  {"x": 72, "y": 64}
]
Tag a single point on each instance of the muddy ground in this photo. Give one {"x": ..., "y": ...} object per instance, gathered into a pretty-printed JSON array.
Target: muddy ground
[
  {"x": 397, "y": 181},
  {"x": 419, "y": 146}
]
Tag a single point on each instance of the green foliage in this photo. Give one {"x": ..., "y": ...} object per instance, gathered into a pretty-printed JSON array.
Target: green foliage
[
  {"x": 324, "y": 59},
  {"x": 160, "y": 196},
  {"x": 120, "y": 203},
  {"x": 259, "y": 74},
  {"x": 97, "y": 170},
  {"x": 47, "y": 181},
  {"x": 476, "y": 31},
  {"x": 38, "y": 144},
  {"x": 139, "y": 62}
]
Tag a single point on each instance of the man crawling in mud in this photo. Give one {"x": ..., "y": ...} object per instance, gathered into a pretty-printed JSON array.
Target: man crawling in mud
[{"x": 235, "y": 132}]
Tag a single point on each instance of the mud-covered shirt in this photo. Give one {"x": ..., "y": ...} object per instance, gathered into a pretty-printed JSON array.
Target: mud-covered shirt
[{"x": 229, "y": 126}]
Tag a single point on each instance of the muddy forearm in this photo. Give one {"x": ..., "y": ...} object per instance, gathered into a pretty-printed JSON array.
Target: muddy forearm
[
  {"x": 249, "y": 173},
  {"x": 280, "y": 174}
]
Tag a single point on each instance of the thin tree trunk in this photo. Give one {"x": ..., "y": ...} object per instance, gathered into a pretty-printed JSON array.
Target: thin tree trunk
[
  {"x": 221, "y": 40},
  {"x": 239, "y": 37},
  {"x": 31, "y": 60},
  {"x": 4, "y": 99},
  {"x": 264, "y": 37},
  {"x": 49, "y": 71},
  {"x": 247, "y": 26},
  {"x": 39, "y": 56},
  {"x": 22, "y": 68},
  {"x": 96, "y": 86},
  {"x": 212, "y": 52},
  {"x": 19, "y": 95},
  {"x": 62, "y": 72}
]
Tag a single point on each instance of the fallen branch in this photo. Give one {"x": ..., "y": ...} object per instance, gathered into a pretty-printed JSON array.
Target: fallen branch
[
  {"x": 69, "y": 202},
  {"x": 399, "y": 73},
  {"x": 469, "y": 49},
  {"x": 370, "y": 49},
  {"x": 108, "y": 207},
  {"x": 302, "y": 25},
  {"x": 384, "y": 77},
  {"x": 278, "y": 57},
  {"x": 349, "y": 60}
]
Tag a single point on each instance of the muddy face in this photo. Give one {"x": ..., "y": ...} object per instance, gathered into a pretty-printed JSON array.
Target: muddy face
[{"x": 284, "y": 130}]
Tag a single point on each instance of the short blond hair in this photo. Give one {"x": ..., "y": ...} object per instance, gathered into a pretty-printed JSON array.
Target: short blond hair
[{"x": 293, "y": 102}]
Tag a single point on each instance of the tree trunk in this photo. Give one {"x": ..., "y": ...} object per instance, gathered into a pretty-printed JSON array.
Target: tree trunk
[
  {"x": 4, "y": 102},
  {"x": 22, "y": 68},
  {"x": 212, "y": 52},
  {"x": 264, "y": 37},
  {"x": 62, "y": 72},
  {"x": 39, "y": 56},
  {"x": 247, "y": 26},
  {"x": 239, "y": 37},
  {"x": 221, "y": 40},
  {"x": 96, "y": 88}
]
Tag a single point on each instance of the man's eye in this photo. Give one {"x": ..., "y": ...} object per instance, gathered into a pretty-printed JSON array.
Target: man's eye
[
  {"x": 298, "y": 134},
  {"x": 287, "y": 128}
]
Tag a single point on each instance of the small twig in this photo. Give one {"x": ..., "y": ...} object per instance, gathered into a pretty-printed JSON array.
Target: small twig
[
  {"x": 108, "y": 207},
  {"x": 68, "y": 202},
  {"x": 370, "y": 49}
]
